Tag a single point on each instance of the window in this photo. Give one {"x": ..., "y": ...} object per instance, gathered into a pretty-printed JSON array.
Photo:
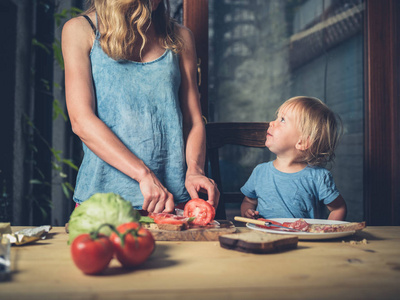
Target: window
[{"x": 264, "y": 52}]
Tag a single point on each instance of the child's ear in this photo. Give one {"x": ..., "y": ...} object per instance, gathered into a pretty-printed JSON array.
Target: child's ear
[{"x": 303, "y": 144}]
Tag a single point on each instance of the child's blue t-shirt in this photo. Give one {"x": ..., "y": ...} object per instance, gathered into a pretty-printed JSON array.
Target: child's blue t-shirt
[{"x": 290, "y": 195}]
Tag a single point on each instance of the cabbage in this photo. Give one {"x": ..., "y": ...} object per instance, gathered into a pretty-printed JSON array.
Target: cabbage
[{"x": 99, "y": 209}]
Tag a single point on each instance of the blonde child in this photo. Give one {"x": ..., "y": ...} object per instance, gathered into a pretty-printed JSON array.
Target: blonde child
[
  {"x": 295, "y": 185},
  {"x": 132, "y": 98}
]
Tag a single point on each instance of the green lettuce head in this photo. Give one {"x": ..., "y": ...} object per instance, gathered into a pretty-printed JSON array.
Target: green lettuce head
[{"x": 100, "y": 209}]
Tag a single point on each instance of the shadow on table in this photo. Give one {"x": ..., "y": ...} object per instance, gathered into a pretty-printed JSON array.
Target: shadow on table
[
  {"x": 158, "y": 260},
  {"x": 365, "y": 235}
]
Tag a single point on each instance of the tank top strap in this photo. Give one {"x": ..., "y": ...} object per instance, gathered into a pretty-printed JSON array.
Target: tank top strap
[
  {"x": 97, "y": 20},
  {"x": 91, "y": 23}
]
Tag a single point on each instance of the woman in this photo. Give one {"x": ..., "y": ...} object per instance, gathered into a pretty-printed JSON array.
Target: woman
[{"x": 130, "y": 80}]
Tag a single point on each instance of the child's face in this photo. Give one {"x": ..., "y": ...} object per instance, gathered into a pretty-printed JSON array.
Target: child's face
[{"x": 283, "y": 134}]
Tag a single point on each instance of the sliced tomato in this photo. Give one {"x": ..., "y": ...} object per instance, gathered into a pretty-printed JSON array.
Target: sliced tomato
[
  {"x": 171, "y": 221},
  {"x": 201, "y": 210},
  {"x": 160, "y": 215},
  {"x": 163, "y": 218}
]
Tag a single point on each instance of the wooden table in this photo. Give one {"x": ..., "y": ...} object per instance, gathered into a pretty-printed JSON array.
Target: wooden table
[{"x": 203, "y": 270}]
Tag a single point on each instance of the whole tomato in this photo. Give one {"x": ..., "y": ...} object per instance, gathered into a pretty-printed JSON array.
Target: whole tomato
[
  {"x": 92, "y": 253},
  {"x": 133, "y": 244}
]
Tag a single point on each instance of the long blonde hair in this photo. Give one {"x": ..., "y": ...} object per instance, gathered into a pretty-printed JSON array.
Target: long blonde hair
[
  {"x": 319, "y": 126},
  {"x": 124, "y": 21}
]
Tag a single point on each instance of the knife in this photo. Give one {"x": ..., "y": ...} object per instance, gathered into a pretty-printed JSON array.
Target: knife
[{"x": 266, "y": 223}]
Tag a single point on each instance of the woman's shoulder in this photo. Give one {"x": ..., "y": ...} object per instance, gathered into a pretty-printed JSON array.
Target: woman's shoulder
[
  {"x": 184, "y": 33},
  {"x": 79, "y": 29},
  {"x": 80, "y": 23},
  {"x": 182, "y": 29}
]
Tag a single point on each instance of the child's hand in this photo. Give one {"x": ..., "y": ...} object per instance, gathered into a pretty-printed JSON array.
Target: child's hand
[{"x": 251, "y": 213}]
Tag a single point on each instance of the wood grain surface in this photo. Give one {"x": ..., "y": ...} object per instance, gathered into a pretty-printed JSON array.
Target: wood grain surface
[
  {"x": 194, "y": 234},
  {"x": 344, "y": 268}
]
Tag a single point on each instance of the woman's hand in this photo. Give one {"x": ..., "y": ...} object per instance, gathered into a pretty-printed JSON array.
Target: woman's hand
[
  {"x": 156, "y": 197},
  {"x": 196, "y": 183}
]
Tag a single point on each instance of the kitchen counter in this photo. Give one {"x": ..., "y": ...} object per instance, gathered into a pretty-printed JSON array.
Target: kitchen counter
[{"x": 344, "y": 268}]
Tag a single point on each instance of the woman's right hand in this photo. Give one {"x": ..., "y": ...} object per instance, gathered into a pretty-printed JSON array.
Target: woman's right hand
[{"x": 156, "y": 197}]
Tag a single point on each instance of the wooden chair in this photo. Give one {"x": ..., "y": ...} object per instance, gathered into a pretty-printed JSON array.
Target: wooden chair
[{"x": 248, "y": 134}]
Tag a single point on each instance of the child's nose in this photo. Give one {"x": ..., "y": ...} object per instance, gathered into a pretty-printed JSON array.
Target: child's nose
[{"x": 272, "y": 124}]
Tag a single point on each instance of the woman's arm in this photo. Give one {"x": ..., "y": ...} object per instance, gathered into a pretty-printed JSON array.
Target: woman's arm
[
  {"x": 338, "y": 209},
  {"x": 193, "y": 126},
  {"x": 77, "y": 40}
]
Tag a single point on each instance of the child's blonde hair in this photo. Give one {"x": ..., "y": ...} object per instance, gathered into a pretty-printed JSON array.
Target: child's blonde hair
[
  {"x": 320, "y": 129},
  {"x": 123, "y": 21}
]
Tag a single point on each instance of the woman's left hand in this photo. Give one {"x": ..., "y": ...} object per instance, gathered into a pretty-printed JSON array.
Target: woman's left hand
[{"x": 196, "y": 183}]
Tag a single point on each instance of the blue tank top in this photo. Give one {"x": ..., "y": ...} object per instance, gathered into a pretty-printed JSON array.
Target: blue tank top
[{"x": 139, "y": 102}]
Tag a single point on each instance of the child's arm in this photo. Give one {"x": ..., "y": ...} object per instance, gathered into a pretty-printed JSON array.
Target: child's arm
[
  {"x": 338, "y": 209},
  {"x": 247, "y": 209}
]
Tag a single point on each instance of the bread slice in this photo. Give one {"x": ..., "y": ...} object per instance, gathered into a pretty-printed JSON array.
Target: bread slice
[
  {"x": 258, "y": 242},
  {"x": 169, "y": 227},
  {"x": 322, "y": 228},
  {"x": 5, "y": 228},
  {"x": 172, "y": 227}
]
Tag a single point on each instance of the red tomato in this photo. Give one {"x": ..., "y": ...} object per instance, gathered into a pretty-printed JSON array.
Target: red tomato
[
  {"x": 92, "y": 256},
  {"x": 161, "y": 215},
  {"x": 165, "y": 218},
  {"x": 201, "y": 210},
  {"x": 173, "y": 221},
  {"x": 136, "y": 246}
]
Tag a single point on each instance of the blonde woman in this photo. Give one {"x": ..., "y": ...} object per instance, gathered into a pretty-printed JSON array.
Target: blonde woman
[
  {"x": 130, "y": 80},
  {"x": 296, "y": 185}
]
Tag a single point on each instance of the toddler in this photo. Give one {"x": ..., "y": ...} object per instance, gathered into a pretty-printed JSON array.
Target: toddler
[{"x": 295, "y": 185}]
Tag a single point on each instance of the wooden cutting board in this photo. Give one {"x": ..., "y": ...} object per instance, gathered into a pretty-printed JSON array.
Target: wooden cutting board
[
  {"x": 194, "y": 234},
  {"x": 258, "y": 242}
]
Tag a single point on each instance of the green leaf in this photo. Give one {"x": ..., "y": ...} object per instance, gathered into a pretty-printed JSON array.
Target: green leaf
[
  {"x": 58, "y": 110},
  {"x": 65, "y": 190},
  {"x": 35, "y": 42},
  {"x": 63, "y": 175},
  {"x": 43, "y": 212},
  {"x": 58, "y": 54},
  {"x": 146, "y": 220},
  {"x": 35, "y": 181},
  {"x": 56, "y": 153},
  {"x": 46, "y": 84},
  {"x": 75, "y": 11},
  {"x": 70, "y": 163},
  {"x": 59, "y": 16},
  {"x": 69, "y": 186},
  {"x": 56, "y": 166}
]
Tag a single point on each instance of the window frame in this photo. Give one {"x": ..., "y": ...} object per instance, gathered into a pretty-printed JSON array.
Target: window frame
[{"x": 381, "y": 84}]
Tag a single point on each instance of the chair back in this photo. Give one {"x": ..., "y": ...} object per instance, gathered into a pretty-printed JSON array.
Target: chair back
[{"x": 219, "y": 134}]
